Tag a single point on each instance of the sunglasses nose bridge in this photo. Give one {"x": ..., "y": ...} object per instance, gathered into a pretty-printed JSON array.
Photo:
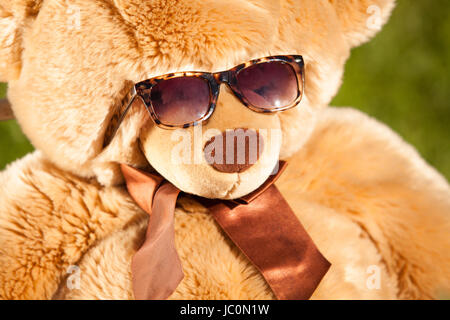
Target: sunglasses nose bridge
[{"x": 222, "y": 77}]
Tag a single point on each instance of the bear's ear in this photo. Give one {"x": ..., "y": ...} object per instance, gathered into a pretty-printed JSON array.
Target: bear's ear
[
  {"x": 14, "y": 15},
  {"x": 362, "y": 19}
]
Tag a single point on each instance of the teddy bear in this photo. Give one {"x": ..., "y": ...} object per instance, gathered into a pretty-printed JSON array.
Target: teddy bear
[{"x": 69, "y": 227}]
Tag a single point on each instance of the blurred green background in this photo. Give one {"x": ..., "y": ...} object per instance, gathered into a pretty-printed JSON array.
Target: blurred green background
[{"x": 402, "y": 78}]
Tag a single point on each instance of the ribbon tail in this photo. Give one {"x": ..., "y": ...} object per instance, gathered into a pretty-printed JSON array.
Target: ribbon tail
[
  {"x": 267, "y": 231},
  {"x": 156, "y": 267}
]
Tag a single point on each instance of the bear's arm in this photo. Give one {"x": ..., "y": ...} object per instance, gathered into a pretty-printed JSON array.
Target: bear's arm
[
  {"x": 362, "y": 169},
  {"x": 48, "y": 220}
]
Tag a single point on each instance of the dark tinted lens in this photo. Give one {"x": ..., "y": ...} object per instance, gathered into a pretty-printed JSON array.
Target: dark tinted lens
[
  {"x": 269, "y": 85},
  {"x": 180, "y": 101}
]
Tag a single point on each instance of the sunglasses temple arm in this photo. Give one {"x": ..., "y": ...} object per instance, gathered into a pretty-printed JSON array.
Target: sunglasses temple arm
[
  {"x": 112, "y": 131},
  {"x": 5, "y": 110}
]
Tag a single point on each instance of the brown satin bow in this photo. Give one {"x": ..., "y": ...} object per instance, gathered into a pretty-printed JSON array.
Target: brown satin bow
[{"x": 261, "y": 225}]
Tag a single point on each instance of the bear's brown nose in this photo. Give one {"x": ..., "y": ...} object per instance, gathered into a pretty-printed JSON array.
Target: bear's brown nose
[{"x": 234, "y": 151}]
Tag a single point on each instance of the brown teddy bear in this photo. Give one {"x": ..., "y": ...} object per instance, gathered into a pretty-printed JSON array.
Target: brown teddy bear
[{"x": 68, "y": 226}]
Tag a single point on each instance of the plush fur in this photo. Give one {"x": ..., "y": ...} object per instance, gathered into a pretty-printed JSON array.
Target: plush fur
[{"x": 365, "y": 196}]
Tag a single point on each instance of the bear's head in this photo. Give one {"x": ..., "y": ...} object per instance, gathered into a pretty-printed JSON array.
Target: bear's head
[{"x": 70, "y": 63}]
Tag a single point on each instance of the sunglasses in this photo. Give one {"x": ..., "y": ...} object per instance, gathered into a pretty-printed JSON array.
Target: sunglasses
[{"x": 185, "y": 99}]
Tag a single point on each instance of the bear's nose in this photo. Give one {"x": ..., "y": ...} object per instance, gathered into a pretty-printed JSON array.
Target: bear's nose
[{"x": 234, "y": 151}]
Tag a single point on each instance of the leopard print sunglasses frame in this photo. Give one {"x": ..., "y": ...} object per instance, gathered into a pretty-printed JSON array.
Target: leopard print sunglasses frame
[{"x": 142, "y": 90}]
